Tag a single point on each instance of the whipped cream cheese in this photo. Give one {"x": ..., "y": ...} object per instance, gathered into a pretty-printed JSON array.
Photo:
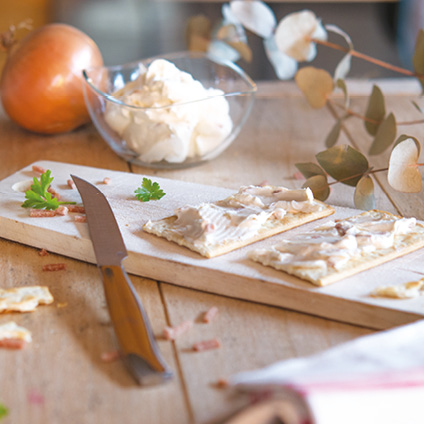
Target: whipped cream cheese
[
  {"x": 168, "y": 115},
  {"x": 242, "y": 215},
  {"x": 332, "y": 247}
]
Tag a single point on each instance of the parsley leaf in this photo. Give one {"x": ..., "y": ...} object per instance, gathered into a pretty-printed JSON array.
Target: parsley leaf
[
  {"x": 149, "y": 191},
  {"x": 38, "y": 197},
  {"x": 3, "y": 411}
]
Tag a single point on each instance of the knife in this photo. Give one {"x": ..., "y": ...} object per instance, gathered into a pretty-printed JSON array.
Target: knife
[{"x": 132, "y": 328}]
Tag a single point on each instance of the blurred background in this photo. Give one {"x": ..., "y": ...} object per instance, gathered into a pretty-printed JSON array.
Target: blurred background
[{"x": 127, "y": 30}]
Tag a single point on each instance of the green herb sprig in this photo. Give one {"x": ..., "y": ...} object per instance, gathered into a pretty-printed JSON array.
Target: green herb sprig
[
  {"x": 3, "y": 411},
  {"x": 149, "y": 191},
  {"x": 38, "y": 196}
]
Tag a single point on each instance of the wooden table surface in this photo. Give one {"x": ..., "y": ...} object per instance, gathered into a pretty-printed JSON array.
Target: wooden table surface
[{"x": 60, "y": 378}]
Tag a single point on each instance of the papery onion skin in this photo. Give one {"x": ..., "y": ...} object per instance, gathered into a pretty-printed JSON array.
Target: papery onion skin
[{"x": 41, "y": 84}]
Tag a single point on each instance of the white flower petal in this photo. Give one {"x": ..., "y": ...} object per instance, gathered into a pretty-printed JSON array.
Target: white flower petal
[
  {"x": 255, "y": 16},
  {"x": 285, "y": 67},
  {"x": 294, "y": 32}
]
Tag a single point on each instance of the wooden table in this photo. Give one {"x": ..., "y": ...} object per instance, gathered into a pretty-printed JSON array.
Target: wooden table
[{"x": 60, "y": 377}]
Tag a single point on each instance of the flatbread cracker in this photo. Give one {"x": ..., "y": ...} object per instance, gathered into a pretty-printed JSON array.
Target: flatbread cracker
[
  {"x": 252, "y": 214},
  {"x": 341, "y": 248}
]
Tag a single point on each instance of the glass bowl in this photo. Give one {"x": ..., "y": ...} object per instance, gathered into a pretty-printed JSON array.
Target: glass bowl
[{"x": 153, "y": 115}]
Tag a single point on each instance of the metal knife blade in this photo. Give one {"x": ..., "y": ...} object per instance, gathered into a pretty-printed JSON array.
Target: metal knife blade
[{"x": 130, "y": 321}]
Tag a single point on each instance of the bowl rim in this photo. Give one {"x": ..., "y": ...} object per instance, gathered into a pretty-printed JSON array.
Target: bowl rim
[{"x": 169, "y": 56}]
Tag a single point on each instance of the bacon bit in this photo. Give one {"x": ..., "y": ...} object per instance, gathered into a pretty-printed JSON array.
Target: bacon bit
[
  {"x": 298, "y": 176},
  {"x": 41, "y": 213},
  {"x": 110, "y": 356},
  {"x": 171, "y": 333},
  {"x": 80, "y": 218},
  {"x": 35, "y": 398},
  {"x": 11, "y": 343},
  {"x": 62, "y": 210},
  {"x": 222, "y": 383},
  {"x": 210, "y": 314},
  {"x": 71, "y": 184},
  {"x": 206, "y": 345},
  {"x": 43, "y": 252},
  {"x": 38, "y": 169},
  {"x": 76, "y": 208},
  {"x": 54, "y": 267},
  {"x": 53, "y": 192},
  {"x": 107, "y": 180}
]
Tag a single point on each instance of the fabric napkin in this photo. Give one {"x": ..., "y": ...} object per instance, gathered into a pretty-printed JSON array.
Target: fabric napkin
[{"x": 378, "y": 378}]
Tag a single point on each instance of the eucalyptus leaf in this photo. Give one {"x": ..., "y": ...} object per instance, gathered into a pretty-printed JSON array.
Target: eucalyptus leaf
[
  {"x": 256, "y": 16},
  {"x": 417, "y": 106},
  {"x": 221, "y": 50},
  {"x": 404, "y": 174},
  {"x": 418, "y": 58},
  {"x": 285, "y": 67},
  {"x": 310, "y": 169},
  {"x": 198, "y": 33},
  {"x": 364, "y": 194},
  {"x": 341, "y": 83},
  {"x": 385, "y": 136},
  {"x": 242, "y": 48},
  {"x": 334, "y": 134},
  {"x": 376, "y": 110},
  {"x": 404, "y": 137},
  {"x": 336, "y": 30},
  {"x": 319, "y": 186},
  {"x": 343, "y": 68},
  {"x": 316, "y": 84},
  {"x": 344, "y": 164}
]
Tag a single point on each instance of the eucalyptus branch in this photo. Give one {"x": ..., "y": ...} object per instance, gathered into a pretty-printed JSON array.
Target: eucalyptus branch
[{"x": 367, "y": 58}]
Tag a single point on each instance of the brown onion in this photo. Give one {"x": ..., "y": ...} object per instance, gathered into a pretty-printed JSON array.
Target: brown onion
[{"x": 41, "y": 84}]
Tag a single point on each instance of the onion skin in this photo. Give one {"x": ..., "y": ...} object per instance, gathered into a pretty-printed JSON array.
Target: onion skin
[{"x": 41, "y": 84}]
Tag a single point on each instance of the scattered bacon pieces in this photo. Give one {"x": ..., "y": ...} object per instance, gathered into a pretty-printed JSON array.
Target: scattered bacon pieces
[
  {"x": 107, "y": 180},
  {"x": 110, "y": 356},
  {"x": 210, "y": 314},
  {"x": 54, "y": 267},
  {"x": 206, "y": 345},
  {"x": 62, "y": 210},
  {"x": 41, "y": 213},
  {"x": 71, "y": 184},
  {"x": 38, "y": 169},
  {"x": 53, "y": 192},
  {"x": 12, "y": 343},
  {"x": 76, "y": 209},
  {"x": 43, "y": 252},
  {"x": 80, "y": 218},
  {"x": 171, "y": 333}
]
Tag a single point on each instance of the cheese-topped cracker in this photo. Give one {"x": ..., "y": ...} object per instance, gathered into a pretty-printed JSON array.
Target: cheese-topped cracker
[
  {"x": 24, "y": 299},
  {"x": 14, "y": 336},
  {"x": 341, "y": 248},
  {"x": 252, "y": 214}
]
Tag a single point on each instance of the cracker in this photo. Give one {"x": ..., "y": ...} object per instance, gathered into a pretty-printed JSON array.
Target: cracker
[
  {"x": 24, "y": 299},
  {"x": 353, "y": 245},
  {"x": 252, "y": 214}
]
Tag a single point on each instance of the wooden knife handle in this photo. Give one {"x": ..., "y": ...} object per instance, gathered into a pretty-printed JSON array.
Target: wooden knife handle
[{"x": 131, "y": 324}]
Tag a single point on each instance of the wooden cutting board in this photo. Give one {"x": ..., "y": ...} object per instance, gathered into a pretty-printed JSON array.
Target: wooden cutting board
[{"x": 230, "y": 275}]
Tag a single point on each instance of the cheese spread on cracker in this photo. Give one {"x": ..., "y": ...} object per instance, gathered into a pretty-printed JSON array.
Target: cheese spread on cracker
[
  {"x": 252, "y": 214},
  {"x": 341, "y": 248}
]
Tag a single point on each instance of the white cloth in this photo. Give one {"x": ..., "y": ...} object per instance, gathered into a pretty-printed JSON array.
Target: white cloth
[{"x": 374, "y": 379}]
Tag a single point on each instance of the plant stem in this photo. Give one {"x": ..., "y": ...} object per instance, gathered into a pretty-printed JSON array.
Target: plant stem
[
  {"x": 370, "y": 59},
  {"x": 373, "y": 121},
  {"x": 371, "y": 171}
]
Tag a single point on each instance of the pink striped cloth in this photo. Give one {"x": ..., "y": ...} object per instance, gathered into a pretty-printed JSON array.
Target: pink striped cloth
[{"x": 374, "y": 379}]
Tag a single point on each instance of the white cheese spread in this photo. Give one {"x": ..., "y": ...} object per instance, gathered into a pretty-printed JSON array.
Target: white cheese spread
[
  {"x": 168, "y": 115},
  {"x": 242, "y": 215},
  {"x": 331, "y": 247}
]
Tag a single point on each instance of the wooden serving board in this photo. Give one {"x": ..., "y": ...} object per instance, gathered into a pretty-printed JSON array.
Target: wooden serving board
[{"x": 230, "y": 275}]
